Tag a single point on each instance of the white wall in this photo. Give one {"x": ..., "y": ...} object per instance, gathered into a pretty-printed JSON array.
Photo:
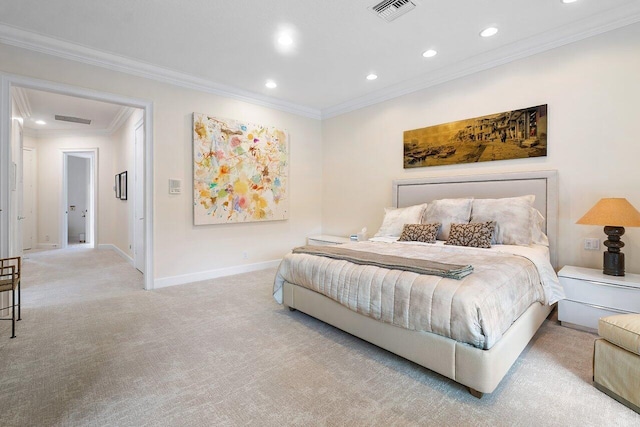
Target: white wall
[
  {"x": 50, "y": 164},
  {"x": 124, "y": 139},
  {"x": 180, "y": 248},
  {"x": 591, "y": 88}
]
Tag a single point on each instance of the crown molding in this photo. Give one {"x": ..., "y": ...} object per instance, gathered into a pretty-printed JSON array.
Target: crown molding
[
  {"x": 22, "y": 102},
  {"x": 579, "y": 30},
  {"x": 120, "y": 118},
  {"x": 62, "y": 49},
  {"x": 65, "y": 133}
]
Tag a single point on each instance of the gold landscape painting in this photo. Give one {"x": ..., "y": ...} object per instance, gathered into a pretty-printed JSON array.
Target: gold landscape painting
[{"x": 510, "y": 135}]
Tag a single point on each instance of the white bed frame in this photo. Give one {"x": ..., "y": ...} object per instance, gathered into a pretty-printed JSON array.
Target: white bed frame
[{"x": 480, "y": 370}]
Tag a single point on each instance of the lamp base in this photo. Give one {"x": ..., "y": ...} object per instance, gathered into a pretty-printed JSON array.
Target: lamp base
[{"x": 613, "y": 264}]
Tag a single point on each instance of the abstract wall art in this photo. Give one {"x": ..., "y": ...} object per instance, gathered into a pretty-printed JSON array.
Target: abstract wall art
[
  {"x": 510, "y": 135},
  {"x": 240, "y": 171}
]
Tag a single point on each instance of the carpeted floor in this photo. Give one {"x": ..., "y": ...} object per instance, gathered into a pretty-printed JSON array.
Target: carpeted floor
[{"x": 95, "y": 349}]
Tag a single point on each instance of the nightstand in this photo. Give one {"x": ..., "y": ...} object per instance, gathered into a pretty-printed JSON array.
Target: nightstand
[
  {"x": 592, "y": 294},
  {"x": 326, "y": 240}
]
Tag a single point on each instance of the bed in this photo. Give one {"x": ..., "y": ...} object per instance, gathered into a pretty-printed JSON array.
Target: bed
[{"x": 475, "y": 352}]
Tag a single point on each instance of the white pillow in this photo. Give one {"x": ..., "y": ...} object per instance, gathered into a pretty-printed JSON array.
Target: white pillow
[
  {"x": 537, "y": 235},
  {"x": 512, "y": 216},
  {"x": 447, "y": 212},
  {"x": 395, "y": 219}
]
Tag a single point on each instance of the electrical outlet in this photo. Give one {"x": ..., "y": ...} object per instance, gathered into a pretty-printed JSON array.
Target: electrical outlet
[
  {"x": 591, "y": 244},
  {"x": 245, "y": 255},
  {"x": 46, "y": 238}
]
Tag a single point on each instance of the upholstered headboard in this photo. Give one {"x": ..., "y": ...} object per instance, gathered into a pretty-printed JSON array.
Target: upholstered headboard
[{"x": 542, "y": 184}]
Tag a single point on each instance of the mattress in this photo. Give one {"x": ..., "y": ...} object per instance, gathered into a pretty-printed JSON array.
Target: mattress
[{"x": 476, "y": 310}]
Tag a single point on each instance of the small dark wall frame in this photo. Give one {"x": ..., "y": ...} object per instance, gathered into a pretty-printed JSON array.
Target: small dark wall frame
[
  {"x": 117, "y": 186},
  {"x": 123, "y": 185}
]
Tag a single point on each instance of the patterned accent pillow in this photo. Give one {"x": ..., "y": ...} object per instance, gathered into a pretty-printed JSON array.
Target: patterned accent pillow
[
  {"x": 476, "y": 234},
  {"x": 420, "y": 233}
]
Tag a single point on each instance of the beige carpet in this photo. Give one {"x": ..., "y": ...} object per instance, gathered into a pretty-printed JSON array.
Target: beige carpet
[{"x": 95, "y": 349}]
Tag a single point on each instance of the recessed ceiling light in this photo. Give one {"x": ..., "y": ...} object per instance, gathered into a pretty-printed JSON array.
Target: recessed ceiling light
[
  {"x": 488, "y": 32},
  {"x": 271, "y": 84},
  {"x": 429, "y": 53},
  {"x": 41, "y": 122},
  {"x": 285, "y": 40},
  {"x": 372, "y": 77},
  {"x": 569, "y": 1}
]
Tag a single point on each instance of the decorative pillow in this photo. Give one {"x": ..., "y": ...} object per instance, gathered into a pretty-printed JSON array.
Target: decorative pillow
[
  {"x": 512, "y": 216},
  {"x": 395, "y": 219},
  {"x": 537, "y": 235},
  {"x": 446, "y": 212},
  {"x": 476, "y": 234},
  {"x": 420, "y": 233}
]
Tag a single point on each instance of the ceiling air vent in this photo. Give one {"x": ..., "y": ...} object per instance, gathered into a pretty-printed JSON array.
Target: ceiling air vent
[
  {"x": 392, "y": 9},
  {"x": 73, "y": 119}
]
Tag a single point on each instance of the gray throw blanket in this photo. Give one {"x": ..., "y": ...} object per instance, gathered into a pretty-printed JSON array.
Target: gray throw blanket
[{"x": 392, "y": 262}]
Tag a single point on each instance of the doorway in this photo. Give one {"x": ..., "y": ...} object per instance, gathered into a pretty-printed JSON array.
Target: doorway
[
  {"x": 79, "y": 198},
  {"x": 9, "y": 223}
]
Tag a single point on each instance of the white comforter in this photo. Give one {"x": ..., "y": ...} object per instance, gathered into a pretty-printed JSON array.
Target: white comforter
[{"x": 477, "y": 309}]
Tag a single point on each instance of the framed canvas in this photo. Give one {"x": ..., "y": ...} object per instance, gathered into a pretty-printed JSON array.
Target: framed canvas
[
  {"x": 117, "y": 186},
  {"x": 240, "y": 171},
  {"x": 510, "y": 135},
  {"x": 123, "y": 185}
]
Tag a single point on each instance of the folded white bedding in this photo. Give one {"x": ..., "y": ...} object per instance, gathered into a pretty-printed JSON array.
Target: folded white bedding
[{"x": 477, "y": 309}]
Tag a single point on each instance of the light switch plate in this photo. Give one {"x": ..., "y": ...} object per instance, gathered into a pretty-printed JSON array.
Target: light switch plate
[{"x": 175, "y": 186}]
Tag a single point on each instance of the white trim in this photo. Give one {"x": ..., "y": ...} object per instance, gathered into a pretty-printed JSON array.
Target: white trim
[
  {"x": 118, "y": 120},
  {"x": 9, "y": 80},
  {"x": 588, "y": 27},
  {"x": 60, "y": 133},
  {"x": 112, "y": 247},
  {"x": 47, "y": 246},
  {"x": 48, "y": 45},
  {"x": 22, "y": 102},
  {"x": 5, "y": 164},
  {"x": 213, "y": 274},
  {"x": 122, "y": 116},
  {"x": 136, "y": 197}
]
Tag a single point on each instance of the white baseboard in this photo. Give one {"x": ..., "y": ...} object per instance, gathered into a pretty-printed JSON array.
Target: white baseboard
[
  {"x": 47, "y": 246},
  {"x": 109, "y": 246},
  {"x": 212, "y": 274}
]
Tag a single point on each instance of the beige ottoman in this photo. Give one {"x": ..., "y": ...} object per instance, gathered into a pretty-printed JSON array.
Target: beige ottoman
[{"x": 616, "y": 359}]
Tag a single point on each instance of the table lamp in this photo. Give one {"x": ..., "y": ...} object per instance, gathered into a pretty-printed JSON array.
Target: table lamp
[{"x": 614, "y": 214}]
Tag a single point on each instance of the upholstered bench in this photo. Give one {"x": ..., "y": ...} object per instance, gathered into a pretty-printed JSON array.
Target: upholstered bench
[{"x": 616, "y": 359}]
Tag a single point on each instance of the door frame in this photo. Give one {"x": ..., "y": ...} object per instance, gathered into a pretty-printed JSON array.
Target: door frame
[
  {"x": 137, "y": 198},
  {"x": 92, "y": 155},
  {"x": 7, "y": 82},
  {"x": 33, "y": 227}
]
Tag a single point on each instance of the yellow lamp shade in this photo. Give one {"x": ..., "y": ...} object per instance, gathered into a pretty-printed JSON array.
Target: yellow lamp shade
[{"x": 612, "y": 211}]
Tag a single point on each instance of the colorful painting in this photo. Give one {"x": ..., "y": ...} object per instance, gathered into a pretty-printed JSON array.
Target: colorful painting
[
  {"x": 240, "y": 171},
  {"x": 511, "y": 135}
]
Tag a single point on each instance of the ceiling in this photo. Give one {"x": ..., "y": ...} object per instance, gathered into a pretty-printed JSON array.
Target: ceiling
[
  {"x": 44, "y": 106},
  {"x": 231, "y": 46}
]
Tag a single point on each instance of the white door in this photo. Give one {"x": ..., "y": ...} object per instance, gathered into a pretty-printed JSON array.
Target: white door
[
  {"x": 28, "y": 195},
  {"x": 138, "y": 210}
]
